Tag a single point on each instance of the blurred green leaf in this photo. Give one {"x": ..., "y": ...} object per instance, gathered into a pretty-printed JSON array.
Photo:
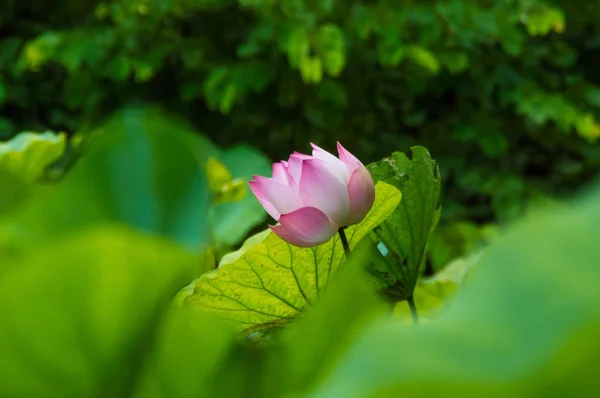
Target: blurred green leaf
[
  {"x": 296, "y": 44},
  {"x": 230, "y": 222},
  {"x": 272, "y": 282},
  {"x": 28, "y": 154},
  {"x": 592, "y": 96},
  {"x": 510, "y": 35},
  {"x": 331, "y": 44},
  {"x": 218, "y": 92},
  {"x": 456, "y": 62},
  {"x": 13, "y": 191},
  {"x": 544, "y": 18},
  {"x": 542, "y": 107},
  {"x": 143, "y": 169},
  {"x": 493, "y": 143},
  {"x": 423, "y": 57},
  {"x": 435, "y": 294},
  {"x": 455, "y": 240},
  {"x": 311, "y": 69},
  {"x": 222, "y": 186},
  {"x": 188, "y": 353},
  {"x": 402, "y": 238},
  {"x": 80, "y": 314},
  {"x": 525, "y": 325},
  {"x": 40, "y": 50}
]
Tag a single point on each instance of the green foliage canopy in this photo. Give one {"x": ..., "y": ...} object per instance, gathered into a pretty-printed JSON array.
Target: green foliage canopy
[{"x": 505, "y": 93}]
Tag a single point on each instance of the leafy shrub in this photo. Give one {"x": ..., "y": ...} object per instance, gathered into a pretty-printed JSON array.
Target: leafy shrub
[{"x": 505, "y": 93}]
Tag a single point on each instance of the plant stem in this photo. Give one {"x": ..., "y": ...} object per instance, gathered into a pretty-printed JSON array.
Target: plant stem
[
  {"x": 413, "y": 310},
  {"x": 344, "y": 241}
]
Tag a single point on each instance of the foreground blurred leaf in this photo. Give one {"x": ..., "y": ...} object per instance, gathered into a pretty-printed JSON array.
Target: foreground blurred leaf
[
  {"x": 402, "y": 238},
  {"x": 147, "y": 172},
  {"x": 79, "y": 314},
  {"x": 314, "y": 344},
  {"x": 272, "y": 282},
  {"x": 434, "y": 294},
  {"x": 13, "y": 191},
  {"x": 190, "y": 350},
  {"x": 28, "y": 154},
  {"x": 142, "y": 169},
  {"x": 525, "y": 325}
]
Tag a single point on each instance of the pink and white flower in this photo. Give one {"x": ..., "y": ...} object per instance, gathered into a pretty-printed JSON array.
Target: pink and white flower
[{"x": 312, "y": 197}]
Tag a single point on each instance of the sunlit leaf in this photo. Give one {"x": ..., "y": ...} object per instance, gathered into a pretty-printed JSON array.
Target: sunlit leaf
[
  {"x": 331, "y": 41},
  {"x": 544, "y": 19},
  {"x": 311, "y": 69},
  {"x": 28, "y": 154},
  {"x": 272, "y": 282},
  {"x": 222, "y": 186},
  {"x": 296, "y": 44},
  {"x": 40, "y": 50},
  {"x": 423, "y": 57}
]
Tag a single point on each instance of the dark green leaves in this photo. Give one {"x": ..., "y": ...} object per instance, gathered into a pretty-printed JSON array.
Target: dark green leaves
[{"x": 401, "y": 240}]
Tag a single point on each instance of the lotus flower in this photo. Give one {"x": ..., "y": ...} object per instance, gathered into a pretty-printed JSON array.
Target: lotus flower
[{"x": 312, "y": 197}]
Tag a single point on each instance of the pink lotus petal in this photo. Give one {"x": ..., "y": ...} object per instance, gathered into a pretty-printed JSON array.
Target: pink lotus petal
[
  {"x": 285, "y": 166},
  {"x": 295, "y": 166},
  {"x": 287, "y": 236},
  {"x": 282, "y": 197},
  {"x": 320, "y": 188},
  {"x": 349, "y": 159},
  {"x": 362, "y": 194},
  {"x": 269, "y": 208},
  {"x": 280, "y": 173},
  {"x": 301, "y": 155},
  {"x": 305, "y": 227},
  {"x": 337, "y": 166}
]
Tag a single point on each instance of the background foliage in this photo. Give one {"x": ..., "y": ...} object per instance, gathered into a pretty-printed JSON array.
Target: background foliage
[{"x": 504, "y": 93}]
